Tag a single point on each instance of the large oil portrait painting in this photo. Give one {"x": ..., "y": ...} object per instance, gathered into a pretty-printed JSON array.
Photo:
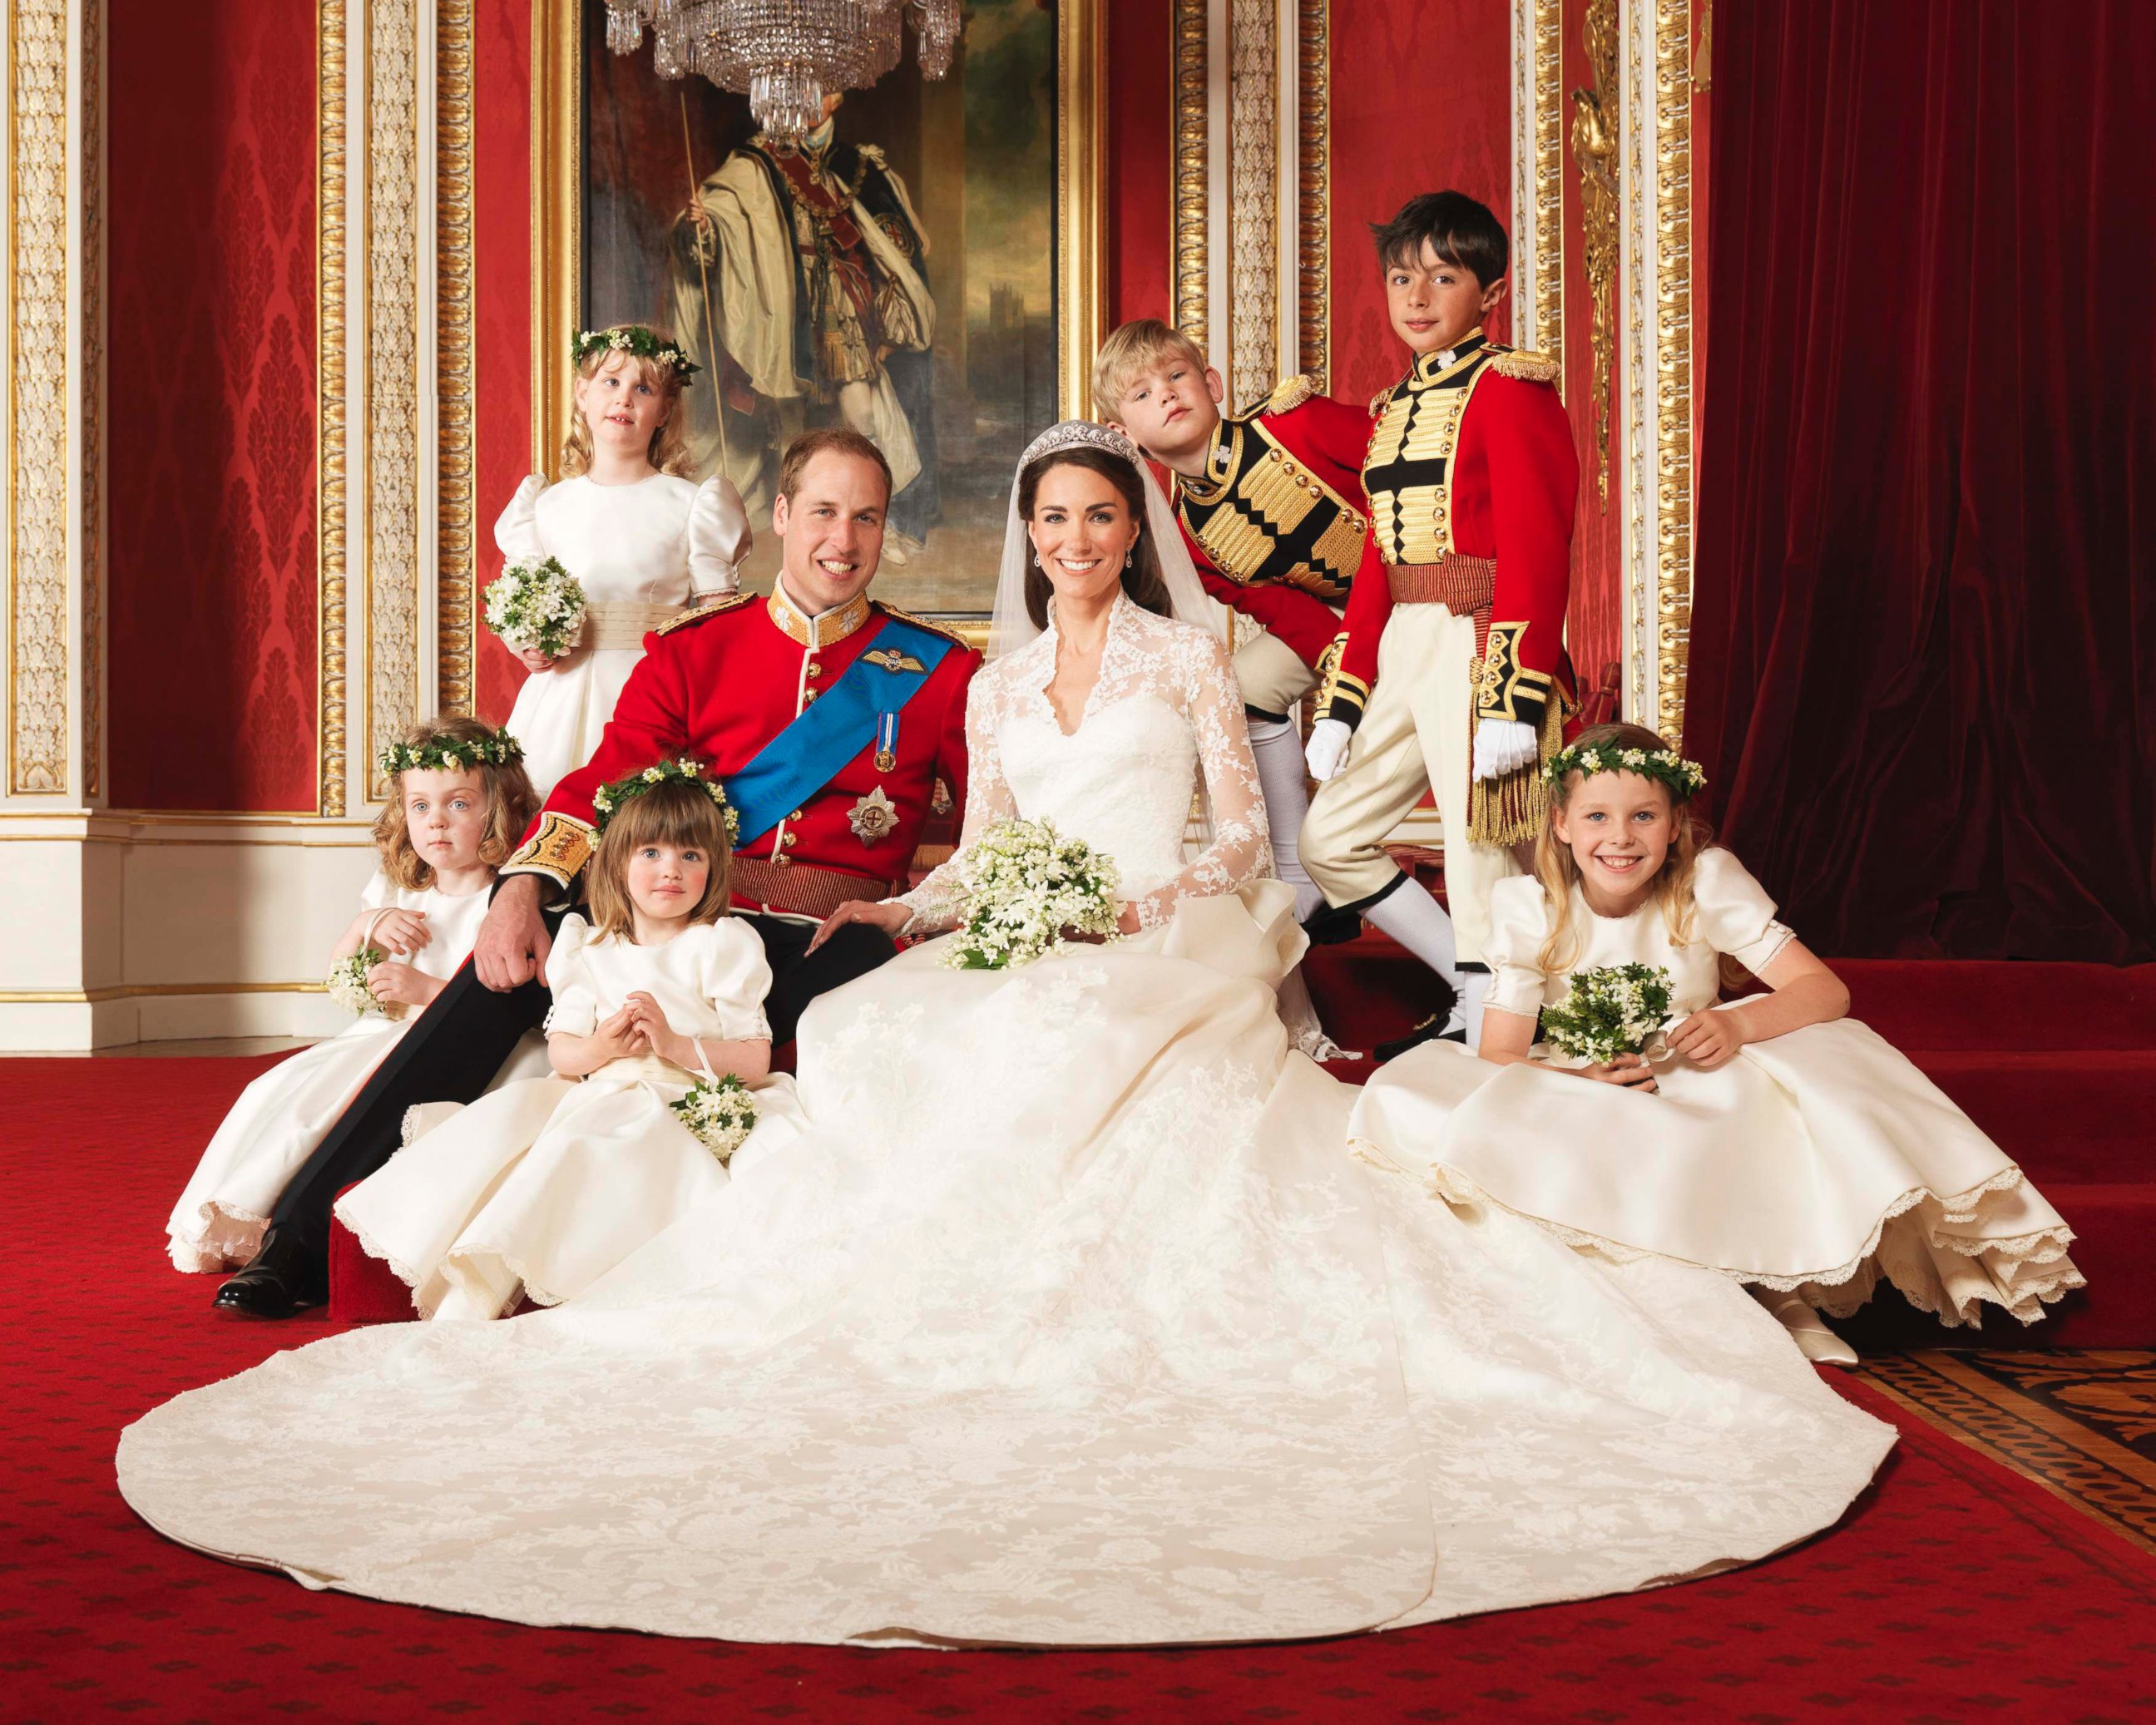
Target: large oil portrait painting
[{"x": 896, "y": 271}]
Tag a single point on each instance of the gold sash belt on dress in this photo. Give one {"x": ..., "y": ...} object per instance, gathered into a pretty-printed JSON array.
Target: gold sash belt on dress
[
  {"x": 623, "y": 624},
  {"x": 1464, "y": 586},
  {"x": 801, "y": 888}
]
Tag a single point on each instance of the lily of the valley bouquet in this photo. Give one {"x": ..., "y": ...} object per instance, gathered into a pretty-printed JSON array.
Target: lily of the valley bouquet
[
  {"x": 535, "y": 605},
  {"x": 1025, "y": 888},
  {"x": 720, "y": 1111},
  {"x": 347, "y": 984},
  {"x": 1613, "y": 1009}
]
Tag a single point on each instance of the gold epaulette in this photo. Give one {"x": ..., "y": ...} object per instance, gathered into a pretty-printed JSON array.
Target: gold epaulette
[
  {"x": 932, "y": 626},
  {"x": 731, "y": 602},
  {"x": 1378, "y": 401},
  {"x": 1289, "y": 394},
  {"x": 1528, "y": 365}
]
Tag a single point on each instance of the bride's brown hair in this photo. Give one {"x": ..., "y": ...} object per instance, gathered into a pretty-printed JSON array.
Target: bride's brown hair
[
  {"x": 1143, "y": 580},
  {"x": 1558, "y": 873}
]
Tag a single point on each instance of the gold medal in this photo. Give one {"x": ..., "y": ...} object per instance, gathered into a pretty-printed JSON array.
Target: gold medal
[{"x": 885, "y": 760}]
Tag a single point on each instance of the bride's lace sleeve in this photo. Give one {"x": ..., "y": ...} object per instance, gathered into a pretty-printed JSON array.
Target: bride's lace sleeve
[
  {"x": 934, "y": 902},
  {"x": 1239, "y": 851}
]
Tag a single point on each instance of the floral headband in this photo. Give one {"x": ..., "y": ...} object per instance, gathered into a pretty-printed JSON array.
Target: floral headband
[
  {"x": 453, "y": 754},
  {"x": 1664, "y": 766},
  {"x": 608, "y": 798},
  {"x": 634, "y": 338}
]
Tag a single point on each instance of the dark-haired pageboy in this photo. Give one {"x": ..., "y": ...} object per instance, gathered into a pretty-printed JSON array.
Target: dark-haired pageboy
[{"x": 1452, "y": 676}]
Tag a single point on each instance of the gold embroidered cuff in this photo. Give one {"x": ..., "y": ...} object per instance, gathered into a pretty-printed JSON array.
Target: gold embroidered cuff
[
  {"x": 559, "y": 849},
  {"x": 1340, "y": 695},
  {"x": 1505, "y": 689}
]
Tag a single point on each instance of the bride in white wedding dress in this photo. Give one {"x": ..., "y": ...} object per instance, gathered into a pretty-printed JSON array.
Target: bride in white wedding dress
[{"x": 1069, "y": 1319}]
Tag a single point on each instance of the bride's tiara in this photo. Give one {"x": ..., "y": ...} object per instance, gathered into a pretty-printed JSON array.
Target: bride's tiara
[{"x": 1081, "y": 434}]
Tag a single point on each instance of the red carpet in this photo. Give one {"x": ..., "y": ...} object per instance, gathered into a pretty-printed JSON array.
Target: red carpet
[
  {"x": 1953, "y": 1589},
  {"x": 2057, "y": 1061}
]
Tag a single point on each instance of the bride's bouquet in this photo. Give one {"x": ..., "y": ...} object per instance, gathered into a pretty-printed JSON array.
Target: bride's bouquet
[
  {"x": 1025, "y": 887},
  {"x": 347, "y": 984},
  {"x": 536, "y": 605},
  {"x": 1613, "y": 1009},
  {"x": 720, "y": 1111}
]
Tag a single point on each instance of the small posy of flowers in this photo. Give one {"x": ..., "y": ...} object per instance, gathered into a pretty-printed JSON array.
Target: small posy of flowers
[
  {"x": 1666, "y": 766},
  {"x": 634, "y": 338},
  {"x": 535, "y": 605},
  {"x": 347, "y": 984},
  {"x": 1613, "y": 1009},
  {"x": 1025, "y": 887},
  {"x": 450, "y": 754},
  {"x": 722, "y": 1113},
  {"x": 608, "y": 798}
]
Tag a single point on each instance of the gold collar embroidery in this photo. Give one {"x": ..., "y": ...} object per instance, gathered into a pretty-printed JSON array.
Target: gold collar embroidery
[{"x": 826, "y": 629}]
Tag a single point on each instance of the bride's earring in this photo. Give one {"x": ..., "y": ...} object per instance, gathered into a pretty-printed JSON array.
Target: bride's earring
[{"x": 1127, "y": 556}]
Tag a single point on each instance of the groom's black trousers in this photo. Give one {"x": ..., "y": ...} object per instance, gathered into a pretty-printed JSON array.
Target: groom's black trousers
[{"x": 460, "y": 1040}]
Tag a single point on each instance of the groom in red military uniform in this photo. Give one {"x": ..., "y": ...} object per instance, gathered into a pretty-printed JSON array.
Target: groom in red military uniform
[{"x": 828, "y": 715}]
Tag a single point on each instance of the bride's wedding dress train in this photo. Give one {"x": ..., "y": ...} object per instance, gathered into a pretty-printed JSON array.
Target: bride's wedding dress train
[{"x": 1071, "y": 1320}]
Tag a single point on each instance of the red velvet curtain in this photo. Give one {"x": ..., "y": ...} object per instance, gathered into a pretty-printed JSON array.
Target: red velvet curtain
[{"x": 1923, "y": 654}]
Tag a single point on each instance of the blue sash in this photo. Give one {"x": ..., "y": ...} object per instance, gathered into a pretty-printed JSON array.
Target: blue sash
[{"x": 850, "y": 716}]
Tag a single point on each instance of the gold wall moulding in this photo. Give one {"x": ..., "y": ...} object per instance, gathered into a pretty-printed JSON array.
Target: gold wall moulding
[
  {"x": 329, "y": 407},
  {"x": 146, "y": 991},
  {"x": 40, "y": 95},
  {"x": 1597, "y": 129},
  {"x": 1313, "y": 180},
  {"x": 456, "y": 570},
  {"x": 92, "y": 396},
  {"x": 1673, "y": 473},
  {"x": 1188, "y": 214},
  {"x": 393, "y": 566}
]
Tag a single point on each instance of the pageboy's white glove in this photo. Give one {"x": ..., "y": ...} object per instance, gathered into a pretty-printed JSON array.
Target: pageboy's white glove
[
  {"x": 1503, "y": 746},
  {"x": 1326, "y": 751}
]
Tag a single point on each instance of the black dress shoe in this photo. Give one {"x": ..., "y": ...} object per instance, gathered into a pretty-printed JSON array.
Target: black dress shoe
[
  {"x": 285, "y": 1278},
  {"x": 1327, "y": 926},
  {"x": 1430, "y": 1030}
]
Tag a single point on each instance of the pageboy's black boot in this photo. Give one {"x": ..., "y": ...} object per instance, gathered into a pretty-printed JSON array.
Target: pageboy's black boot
[
  {"x": 1446, "y": 1022},
  {"x": 286, "y": 1277}
]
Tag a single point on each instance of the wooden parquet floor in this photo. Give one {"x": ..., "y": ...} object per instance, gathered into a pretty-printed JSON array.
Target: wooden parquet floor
[{"x": 2082, "y": 1425}]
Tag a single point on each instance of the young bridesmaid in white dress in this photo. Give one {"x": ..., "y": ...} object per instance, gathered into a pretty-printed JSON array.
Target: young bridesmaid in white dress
[
  {"x": 643, "y": 542},
  {"x": 547, "y": 1184},
  {"x": 1774, "y": 1139},
  {"x": 459, "y": 803}
]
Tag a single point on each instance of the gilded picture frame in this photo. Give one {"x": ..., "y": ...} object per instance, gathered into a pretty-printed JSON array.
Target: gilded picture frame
[{"x": 560, "y": 47}]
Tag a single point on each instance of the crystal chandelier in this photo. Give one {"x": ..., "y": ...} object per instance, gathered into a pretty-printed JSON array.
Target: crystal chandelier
[{"x": 784, "y": 55}]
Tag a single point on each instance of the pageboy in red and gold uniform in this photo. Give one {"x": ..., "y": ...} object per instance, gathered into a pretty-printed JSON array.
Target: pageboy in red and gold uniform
[
  {"x": 1451, "y": 676},
  {"x": 1269, "y": 502}
]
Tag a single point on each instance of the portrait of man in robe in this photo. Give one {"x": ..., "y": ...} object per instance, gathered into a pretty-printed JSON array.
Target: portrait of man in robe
[{"x": 892, "y": 271}]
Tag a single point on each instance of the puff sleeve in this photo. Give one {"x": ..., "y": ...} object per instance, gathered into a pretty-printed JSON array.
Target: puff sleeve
[
  {"x": 1519, "y": 924},
  {"x": 378, "y": 894},
  {"x": 719, "y": 538},
  {"x": 1736, "y": 915},
  {"x": 516, "y": 533},
  {"x": 736, "y": 976},
  {"x": 575, "y": 1008}
]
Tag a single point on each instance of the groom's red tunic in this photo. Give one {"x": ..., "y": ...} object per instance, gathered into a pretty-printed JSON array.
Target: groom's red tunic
[{"x": 718, "y": 684}]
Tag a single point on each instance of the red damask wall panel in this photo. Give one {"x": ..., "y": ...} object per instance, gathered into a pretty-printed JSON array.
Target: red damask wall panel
[
  {"x": 1421, "y": 101},
  {"x": 501, "y": 216},
  {"x": 1140, "y": 148},
  {"x": 211, "y": 215}
]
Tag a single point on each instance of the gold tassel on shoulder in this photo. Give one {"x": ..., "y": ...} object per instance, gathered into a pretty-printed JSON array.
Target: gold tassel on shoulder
[{"x": 1511, "y": 810}]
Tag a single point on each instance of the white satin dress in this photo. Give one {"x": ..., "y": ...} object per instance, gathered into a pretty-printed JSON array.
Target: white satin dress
[
  {"x": 1821, "y": 1161},
  {"x": 643, "y": 554},
  {"x": 547, "y": 1184},
  {"x": 1069, "y": 1320},
  {"x": 281, "y": 1118}
]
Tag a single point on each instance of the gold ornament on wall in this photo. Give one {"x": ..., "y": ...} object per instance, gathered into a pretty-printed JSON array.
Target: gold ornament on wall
[{"x": 1595, "y": 150}]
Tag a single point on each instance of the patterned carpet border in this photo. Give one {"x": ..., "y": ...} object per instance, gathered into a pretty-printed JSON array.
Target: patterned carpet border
[{"x": 2080, "y": 1425}]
